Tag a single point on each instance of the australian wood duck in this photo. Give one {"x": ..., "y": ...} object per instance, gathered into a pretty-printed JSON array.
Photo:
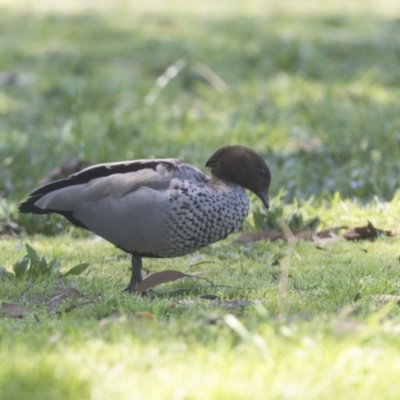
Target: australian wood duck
[{"x": 158, "y": 208}]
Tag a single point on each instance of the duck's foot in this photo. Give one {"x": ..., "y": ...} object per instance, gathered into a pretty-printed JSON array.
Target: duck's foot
[{"x": 136, "y": 276}]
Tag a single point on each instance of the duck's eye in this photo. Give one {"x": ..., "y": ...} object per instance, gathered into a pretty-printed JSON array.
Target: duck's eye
[{"x": 263, "y": 172}]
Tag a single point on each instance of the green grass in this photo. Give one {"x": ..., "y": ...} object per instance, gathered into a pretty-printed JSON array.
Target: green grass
[
  {"x": 330, "y": 337},
  {"x": 314, "y": 87}
]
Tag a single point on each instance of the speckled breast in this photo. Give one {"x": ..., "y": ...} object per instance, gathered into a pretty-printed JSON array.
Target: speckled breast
[{"x": 202, "y": 214}]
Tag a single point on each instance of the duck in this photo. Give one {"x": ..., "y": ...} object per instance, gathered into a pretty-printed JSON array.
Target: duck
[{"x": 158, "y": 208}]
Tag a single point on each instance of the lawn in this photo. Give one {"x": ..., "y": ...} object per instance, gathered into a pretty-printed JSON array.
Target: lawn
[{"x": 314, "y": 87}]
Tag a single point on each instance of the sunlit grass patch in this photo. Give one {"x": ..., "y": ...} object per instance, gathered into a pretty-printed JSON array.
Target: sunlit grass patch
[{"x": 314, "y": 87}]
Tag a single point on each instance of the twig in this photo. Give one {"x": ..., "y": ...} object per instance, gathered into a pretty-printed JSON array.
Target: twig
[
  {"x": 170, "y": 73},
  {"x": 285, "y": 265},
  {"x": 210, "y": 76}
]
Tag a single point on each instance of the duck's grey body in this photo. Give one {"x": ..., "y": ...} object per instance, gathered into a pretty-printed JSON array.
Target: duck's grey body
[
  {"x": 149, "y": 208},
  {"x": 165, "y": 209}
]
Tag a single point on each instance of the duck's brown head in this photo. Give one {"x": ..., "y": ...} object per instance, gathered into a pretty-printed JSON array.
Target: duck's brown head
[{"x": 243, "y": 166}]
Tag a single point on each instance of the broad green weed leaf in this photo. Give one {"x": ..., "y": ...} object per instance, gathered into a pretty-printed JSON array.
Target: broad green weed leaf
[
  {"x": 21, "y": 267},
  {"x": 54, "y": 266},
  {"x": 78, "y": 269},
  {"x": 38, "y": 268},
  {"x": 42, "y": 266},
  {"x": 33, "y": 256}
]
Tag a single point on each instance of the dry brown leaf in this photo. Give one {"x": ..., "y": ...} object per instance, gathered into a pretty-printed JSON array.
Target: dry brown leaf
[
  {"x": 166, "y": 276},
  {"x": 15, "y": 310},
  {"x": 367, "y": 232},
  {"x": 323, "y": 237}
]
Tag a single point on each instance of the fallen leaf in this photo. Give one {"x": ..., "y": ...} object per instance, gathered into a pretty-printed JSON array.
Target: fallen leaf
[
  {"x": 367, "y": 232},
  {"x": 323, "y": 237},
  {"x": 166, "y": 276},
  {"x": 15, "y": 310}
]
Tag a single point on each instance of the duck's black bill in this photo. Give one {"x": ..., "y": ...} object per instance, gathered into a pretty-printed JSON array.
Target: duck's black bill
[{"x": 264, "y": 198}]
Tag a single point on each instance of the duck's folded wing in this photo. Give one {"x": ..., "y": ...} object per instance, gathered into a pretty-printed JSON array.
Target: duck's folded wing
[
  {"x": 99, "y": 181},
  {"x": 74, "y": 198}
]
